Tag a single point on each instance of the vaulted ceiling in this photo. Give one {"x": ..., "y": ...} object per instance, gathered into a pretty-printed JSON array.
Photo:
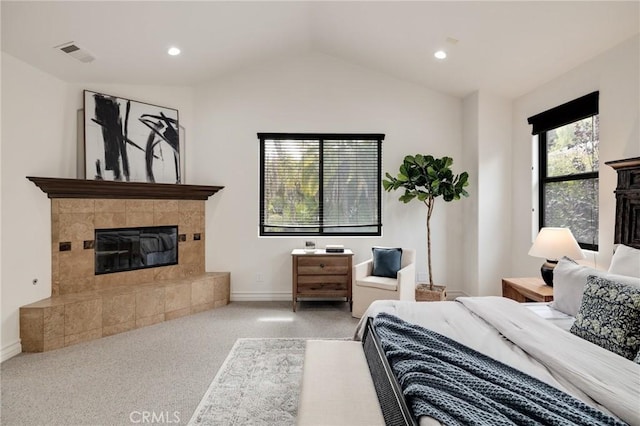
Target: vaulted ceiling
[{"x": 505, "y": 47}]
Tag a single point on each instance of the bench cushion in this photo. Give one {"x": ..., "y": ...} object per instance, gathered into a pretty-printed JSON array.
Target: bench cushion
[
  {"x": 337, "y": 388},
  {"x": 383, "y": 283}
]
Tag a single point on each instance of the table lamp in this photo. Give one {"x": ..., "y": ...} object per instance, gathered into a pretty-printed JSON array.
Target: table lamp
[{"x": 552, "y": 244}]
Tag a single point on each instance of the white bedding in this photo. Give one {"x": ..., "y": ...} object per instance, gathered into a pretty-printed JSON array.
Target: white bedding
[
  {"x": 507, "y": 331},
  {"x": 546, "y": 311}
]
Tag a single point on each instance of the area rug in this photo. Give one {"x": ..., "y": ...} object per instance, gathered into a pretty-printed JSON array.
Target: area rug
[{"x": 258, "y": 384}]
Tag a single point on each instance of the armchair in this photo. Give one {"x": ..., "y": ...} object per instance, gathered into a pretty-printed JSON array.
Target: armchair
[{"x": 367, "y": 288}]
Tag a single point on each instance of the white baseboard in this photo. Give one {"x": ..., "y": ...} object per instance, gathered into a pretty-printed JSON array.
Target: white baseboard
[
  {"x": 279, "y": 296},
  {"x": 10, "y": 351},
  {"x": 260, "y": 296}
]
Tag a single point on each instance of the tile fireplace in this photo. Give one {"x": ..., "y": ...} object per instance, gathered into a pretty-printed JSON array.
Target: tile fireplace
[{"x": 87, "y": 302}]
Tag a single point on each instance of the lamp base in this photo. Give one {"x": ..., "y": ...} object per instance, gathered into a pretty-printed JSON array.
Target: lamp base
[{"x": 546, "y": 270}]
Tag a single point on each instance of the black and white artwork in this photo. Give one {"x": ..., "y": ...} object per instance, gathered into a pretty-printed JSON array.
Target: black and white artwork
[{"x": 130, "y": 141}]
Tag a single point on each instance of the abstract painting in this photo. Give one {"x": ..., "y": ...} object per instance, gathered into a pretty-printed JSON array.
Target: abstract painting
[{"x": 130, "y": 141}]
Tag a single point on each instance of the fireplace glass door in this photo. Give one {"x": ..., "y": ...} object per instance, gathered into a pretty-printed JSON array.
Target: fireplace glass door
[{"x": 127, "y": 249}]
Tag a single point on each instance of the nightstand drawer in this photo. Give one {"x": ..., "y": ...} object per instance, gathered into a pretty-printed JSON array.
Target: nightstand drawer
[
  {"x": 315, "y": 283},
  {"x": 323, "y": 265}
]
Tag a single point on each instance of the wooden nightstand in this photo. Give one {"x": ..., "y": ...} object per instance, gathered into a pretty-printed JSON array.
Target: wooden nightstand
[
  {"x": 321, "y": 275},
  {"x": 527, "y": 290}
]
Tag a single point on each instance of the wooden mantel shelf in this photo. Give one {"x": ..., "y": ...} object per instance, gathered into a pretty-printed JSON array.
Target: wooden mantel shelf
[{"x": 82, "y": 188}]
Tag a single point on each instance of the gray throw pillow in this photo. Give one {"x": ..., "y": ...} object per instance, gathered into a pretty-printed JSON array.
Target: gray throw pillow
[
  {"x": 386, "y": 262},
  {"x": 609, "y": 316},
  {"x": 569, "y": 280}
]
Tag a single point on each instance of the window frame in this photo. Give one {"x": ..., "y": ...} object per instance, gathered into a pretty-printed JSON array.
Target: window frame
[
  {"x": 562, "y": 115},
  {"x": 321, "y": 137}
]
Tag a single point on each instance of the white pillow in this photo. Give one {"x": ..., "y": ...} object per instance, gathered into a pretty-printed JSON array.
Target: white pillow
[
  {"x": 569, "y": 280},
  {"x": 625, "y": 261}
]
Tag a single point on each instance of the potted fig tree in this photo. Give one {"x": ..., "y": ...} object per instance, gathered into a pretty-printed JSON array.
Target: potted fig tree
[{"x": 425, "y": 178}]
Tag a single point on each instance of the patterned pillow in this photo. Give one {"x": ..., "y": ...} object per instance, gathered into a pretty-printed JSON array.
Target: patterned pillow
[
  {"x": 609, "y": 316},
  {"x": 637, "y": 358}
]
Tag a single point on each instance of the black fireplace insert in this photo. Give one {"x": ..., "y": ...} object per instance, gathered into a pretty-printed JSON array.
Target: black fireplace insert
[{"x": 128, "y": 249}]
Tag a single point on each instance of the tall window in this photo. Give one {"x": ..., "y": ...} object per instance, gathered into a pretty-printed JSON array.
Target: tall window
[
  {"x": 320, "y": 184},
  {"x": 568, "y": 171}
]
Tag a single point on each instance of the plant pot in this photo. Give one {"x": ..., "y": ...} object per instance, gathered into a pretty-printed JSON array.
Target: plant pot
[{"x": 426, "y": 293}]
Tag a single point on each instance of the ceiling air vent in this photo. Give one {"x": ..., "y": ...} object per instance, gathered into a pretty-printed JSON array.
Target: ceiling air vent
[{"x": 75, "y": 52}]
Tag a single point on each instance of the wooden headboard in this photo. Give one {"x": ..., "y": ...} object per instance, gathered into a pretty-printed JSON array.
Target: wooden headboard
[{"x": 627, "y": 192}]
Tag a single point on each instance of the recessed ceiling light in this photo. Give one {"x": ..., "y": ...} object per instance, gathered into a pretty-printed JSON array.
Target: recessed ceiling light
[
  {"x": 440, "y": 54},
  {"x": 173, "y": 51}
]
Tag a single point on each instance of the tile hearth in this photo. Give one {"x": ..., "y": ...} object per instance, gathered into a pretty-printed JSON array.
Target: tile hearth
[{"x": 68, "y": 319}]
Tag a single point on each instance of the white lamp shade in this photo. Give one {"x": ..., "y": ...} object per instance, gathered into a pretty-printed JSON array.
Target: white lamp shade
[{"x": 554, "y": 243}]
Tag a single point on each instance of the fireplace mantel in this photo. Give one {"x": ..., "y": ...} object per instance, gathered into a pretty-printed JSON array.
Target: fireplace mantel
[{"x": 82, "y": 188}]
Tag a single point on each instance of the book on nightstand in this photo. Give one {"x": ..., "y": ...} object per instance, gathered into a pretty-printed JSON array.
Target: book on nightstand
[{"x": 334, "y": 248}]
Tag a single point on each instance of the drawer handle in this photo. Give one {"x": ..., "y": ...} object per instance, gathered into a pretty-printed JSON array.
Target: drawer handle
[{"x": 322, "y": 265}]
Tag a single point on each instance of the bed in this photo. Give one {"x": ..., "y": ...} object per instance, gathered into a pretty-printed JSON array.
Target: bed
[
  {"x": 354, "y": 382},
  {"x": 517, "y": 336},
  {"x": 548, "y": 343},
  {"x": 586, "y": 344}
]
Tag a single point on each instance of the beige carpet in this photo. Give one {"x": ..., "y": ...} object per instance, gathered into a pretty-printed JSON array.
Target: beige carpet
[{"x": 164, "y": 369}]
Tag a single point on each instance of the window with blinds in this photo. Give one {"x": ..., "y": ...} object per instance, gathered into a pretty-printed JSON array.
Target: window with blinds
[
  {"x": 568, "y": 138},
  {"x": 320, "y": 184}
]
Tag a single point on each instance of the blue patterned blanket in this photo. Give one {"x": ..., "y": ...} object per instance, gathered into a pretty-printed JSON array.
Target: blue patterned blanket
[{"x": 457, "y": 385}]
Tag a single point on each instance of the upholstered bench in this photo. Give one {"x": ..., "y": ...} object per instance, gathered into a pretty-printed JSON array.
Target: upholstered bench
[{"x": 337, "y": 388}]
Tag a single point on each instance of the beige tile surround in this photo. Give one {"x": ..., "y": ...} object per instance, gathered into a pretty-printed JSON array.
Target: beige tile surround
[
  {"x": 75, "y": 221},
  {"x": 85, "y": 306}
]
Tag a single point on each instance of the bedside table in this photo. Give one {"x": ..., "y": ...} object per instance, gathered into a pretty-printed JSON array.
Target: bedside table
[
  {"x": 527, "y": 290},
  {"x": 321, "y": 275}
]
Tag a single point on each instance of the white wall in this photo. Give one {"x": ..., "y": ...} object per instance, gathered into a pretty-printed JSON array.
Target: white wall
[
  {"x": 10, "y": 352},
  {"x": 470, "y": 161},
  {"x": 487, "y": 155},
  {"x": 615, "y": 74},
  {"x": 36, "y": 120},
  {"x": 39, "y": 139},
  {"x": 316, "y": 93},
  {"x": 494, "y": 181}
]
